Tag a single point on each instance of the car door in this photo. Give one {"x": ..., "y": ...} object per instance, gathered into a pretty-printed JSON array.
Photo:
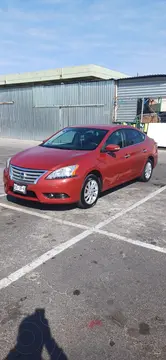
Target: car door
[
  {"x": 115, "y": 166},
  {"x": 135, "y": 151}
]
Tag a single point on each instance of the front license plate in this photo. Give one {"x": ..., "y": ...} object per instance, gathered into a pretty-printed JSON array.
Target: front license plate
[{"x": 20, "y": 189}]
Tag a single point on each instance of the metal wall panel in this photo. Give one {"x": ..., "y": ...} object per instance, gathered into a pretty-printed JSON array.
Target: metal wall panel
[
  {"x": 46, "y": 122},
  {"x": 83, "y": 116},
  {"x": 55, "y": 95},
  {"x": 16, "y": 120},
  {"x": 39, "y": 111},
  {"x": 128, "y": 91}
]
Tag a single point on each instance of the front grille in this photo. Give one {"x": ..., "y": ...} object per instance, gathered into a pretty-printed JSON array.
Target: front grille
[{"x": 25, "y": 176}]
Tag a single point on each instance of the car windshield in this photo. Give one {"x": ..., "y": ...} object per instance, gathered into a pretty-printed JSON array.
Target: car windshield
[{"x": 76, "y": 139}]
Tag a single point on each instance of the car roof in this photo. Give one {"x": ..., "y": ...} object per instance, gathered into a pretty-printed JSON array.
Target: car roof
[{"x": 104, "y": 127}]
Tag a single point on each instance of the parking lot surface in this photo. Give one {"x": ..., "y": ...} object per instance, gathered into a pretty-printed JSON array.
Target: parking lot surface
[{"x": 84, "y": 284}]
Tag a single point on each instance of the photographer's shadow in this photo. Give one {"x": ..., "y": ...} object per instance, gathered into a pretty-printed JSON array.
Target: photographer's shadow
[{"x": 33, "y": 335}]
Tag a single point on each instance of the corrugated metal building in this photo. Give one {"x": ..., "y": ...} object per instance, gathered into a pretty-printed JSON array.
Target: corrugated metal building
[
  {"x": 36, "y": 112},
  {"x": 35, "y": 105},
  {"x": 129, "y": 90}
]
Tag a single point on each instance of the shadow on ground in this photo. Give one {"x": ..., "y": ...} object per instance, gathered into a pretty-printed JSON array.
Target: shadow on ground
[
  {"x": 33, "y": 335},
  {"x": 61, "y": 207}
]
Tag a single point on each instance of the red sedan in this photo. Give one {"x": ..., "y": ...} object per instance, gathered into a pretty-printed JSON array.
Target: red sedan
[{"x": 78, "y": 163}]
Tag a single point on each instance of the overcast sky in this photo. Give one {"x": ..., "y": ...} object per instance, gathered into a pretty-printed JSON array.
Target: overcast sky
[{"x": 124, "y": 35}]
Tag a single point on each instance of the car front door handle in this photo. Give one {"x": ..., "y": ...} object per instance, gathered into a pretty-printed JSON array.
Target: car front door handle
[
  {"x": 127, "y": 156},
  {"x": 144, "y": 150}
]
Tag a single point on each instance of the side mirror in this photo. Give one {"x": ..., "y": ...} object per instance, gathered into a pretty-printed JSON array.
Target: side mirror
[{"x": 112, "y": 148}]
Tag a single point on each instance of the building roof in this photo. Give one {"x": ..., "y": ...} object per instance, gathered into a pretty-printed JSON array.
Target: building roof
[
  {"x": 151, "y": 76},
  {"x": 93, "y": 72}
]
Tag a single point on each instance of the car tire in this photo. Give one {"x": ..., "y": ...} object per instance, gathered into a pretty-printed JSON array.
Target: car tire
[
  {"x": 147, "y": 172},
  {"x": 90, "y": 192}
]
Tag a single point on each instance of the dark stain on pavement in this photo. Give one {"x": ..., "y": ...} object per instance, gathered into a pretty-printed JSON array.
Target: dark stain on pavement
[
  {"x": 112, "y": 343},
  {"x": 10, "y": 223},
  {"x": 153, "y": 243},
  {"x": 76, "y": 292},
  {"x": 47, "y": 236},
  {"x": 144, "y": 329},
  {"x": 23, "y": 298}
]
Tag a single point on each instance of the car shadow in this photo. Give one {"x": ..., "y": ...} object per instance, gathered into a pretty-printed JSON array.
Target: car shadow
[
  {"x": 119, "y": 187},
  {"x": 38, "y": 206},
  {"x": 33, "y": 335},
  {"x": 66, "y": 207}
]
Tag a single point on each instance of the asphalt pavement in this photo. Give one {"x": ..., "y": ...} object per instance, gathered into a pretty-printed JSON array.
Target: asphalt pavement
[{"x": 84, "y": 284}]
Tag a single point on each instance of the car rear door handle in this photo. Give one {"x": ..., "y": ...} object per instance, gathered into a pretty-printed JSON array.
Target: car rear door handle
[
  {"x": 144, "y": 150},
  {"x": 127, "y": 156}
]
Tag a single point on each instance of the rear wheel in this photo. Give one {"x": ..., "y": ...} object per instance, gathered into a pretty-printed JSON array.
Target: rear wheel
[
  {"x": 90, "y": 192},
  {"x": 147, "y": 172}
]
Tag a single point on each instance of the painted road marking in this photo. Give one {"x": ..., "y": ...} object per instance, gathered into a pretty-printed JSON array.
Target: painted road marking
[
  {"x": 60, "y": 248},
  {"x": 132, "y": 207},
  {"x": 5, "y": 282},
  {"x": 2, "y": 195},
  {"x": 42, "y": 259},
  {"x": 133, "y": 242},
  {"x": 44, "y": 216},
  {"x": 84, "y": 227}
]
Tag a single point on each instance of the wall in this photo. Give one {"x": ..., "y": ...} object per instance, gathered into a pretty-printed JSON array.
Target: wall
[
  {"x": 39, "y": 111},
  {"x": 128, "y": 91}
]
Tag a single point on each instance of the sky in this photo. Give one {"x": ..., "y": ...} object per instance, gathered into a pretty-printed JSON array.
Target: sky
[{"x": 124, "y": 35}]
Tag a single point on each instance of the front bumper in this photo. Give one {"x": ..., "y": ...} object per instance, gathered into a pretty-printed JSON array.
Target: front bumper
[{"x": 66, "y": 191}]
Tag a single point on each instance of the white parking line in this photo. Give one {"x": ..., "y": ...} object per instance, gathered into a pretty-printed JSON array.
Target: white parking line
[
  {"x": 132, "y": 207},
  {"x": 44, "y": 216},
  {"x": 133, "y": 242},
  {"x": 2, "y": 195},
  {"x": 42, "y": 259},
  {"x": 60, "y": 248},
  {"x": 5, "y": 282},
  {"x": 84, "y": 227}
]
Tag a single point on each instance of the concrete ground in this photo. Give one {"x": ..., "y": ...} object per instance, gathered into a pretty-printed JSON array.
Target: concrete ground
[{"x": 78, "y": 284}]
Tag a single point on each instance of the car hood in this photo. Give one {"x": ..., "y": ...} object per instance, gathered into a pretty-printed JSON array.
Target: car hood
[{"x": 43, "y": 158}]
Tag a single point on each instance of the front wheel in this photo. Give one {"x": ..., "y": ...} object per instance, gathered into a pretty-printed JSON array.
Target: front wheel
[
  {"x": 90, "y": 192},
  {"x": 147, "y": 172}
]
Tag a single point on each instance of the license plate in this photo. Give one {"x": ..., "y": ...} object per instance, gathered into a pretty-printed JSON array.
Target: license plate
[{"x": 20, "y": 189}]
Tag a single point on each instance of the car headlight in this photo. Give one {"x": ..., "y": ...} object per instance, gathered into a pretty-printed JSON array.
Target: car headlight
[
  {"x": 63, "y": 173},
  {"x": 8, "y": 163}
]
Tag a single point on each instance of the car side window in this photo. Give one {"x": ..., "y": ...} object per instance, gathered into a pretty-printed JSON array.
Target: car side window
[
  {"x": 133, "y": 137},
  {"x": 116, "y": 138}
]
